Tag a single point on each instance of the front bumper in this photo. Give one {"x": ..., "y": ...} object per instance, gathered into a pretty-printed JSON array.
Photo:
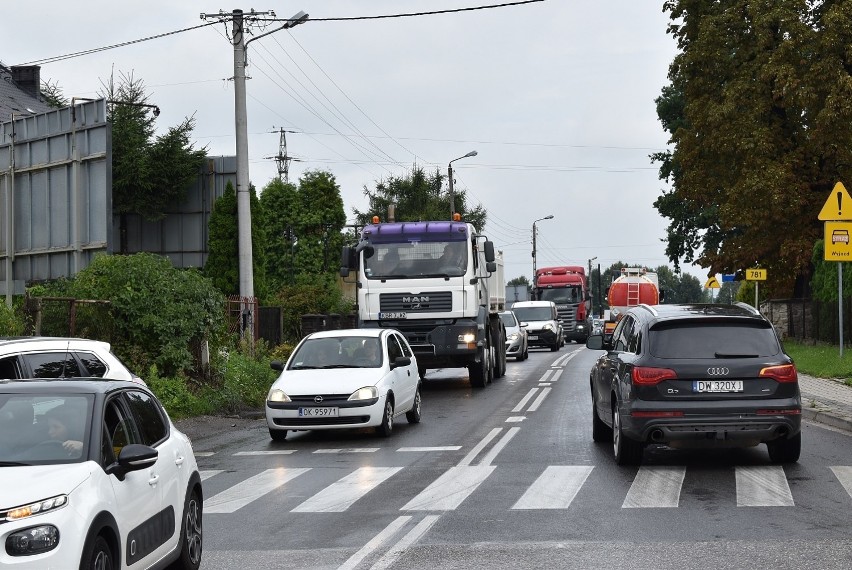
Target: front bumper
[
  {"x": 365, "y": 413},
  {"x": 542, "y": 338}
]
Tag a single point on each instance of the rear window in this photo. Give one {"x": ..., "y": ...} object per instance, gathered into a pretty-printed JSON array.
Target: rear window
[{"x": 713, "y": 340}]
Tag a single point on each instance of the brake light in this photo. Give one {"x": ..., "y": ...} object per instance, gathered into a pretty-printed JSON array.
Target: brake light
[
  {"x": 784, "y": 373},
  {"x": 648, "y": 376},
  {"x": 657, "y": 414}
]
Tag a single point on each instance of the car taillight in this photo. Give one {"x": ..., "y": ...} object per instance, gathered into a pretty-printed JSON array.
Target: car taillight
[
  {"x": 784, "y": 373},
  {"x": 648, "y": 376},
  {"x": 657, "y": 414},
  {"x": 779, "y": 412}
]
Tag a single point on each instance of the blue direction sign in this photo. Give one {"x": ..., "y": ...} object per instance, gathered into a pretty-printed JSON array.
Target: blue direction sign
[{"x": 728, "y": 277}]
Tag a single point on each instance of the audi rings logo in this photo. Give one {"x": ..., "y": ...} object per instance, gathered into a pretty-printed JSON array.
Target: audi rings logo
[
  {"x": 718, "y": 371},
  {"x": 318, "y": 399}
]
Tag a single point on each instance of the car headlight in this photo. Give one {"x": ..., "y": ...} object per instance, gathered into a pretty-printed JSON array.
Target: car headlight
[
  {"x": 277, "y": 395},
  {"x": 33, "y": 540},
  {"x": 43, "y": 506},
  {"x": 513, "y": 336},
  {"x": 548, "y": 327},
  {"x": 365, "y": 393}
]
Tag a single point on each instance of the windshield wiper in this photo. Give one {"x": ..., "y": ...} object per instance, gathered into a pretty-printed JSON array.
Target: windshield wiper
[
  {"x": 735, "y": 355},
  {"x": 12, "y": 464},
  {"x": 303, "y": 367},
  {"x": 337, "y": 366}
]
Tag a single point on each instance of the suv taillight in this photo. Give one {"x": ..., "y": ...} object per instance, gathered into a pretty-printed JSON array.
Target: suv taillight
[
  {"x": 648, "y": 376},
  {"x": 784, "y": 373}
]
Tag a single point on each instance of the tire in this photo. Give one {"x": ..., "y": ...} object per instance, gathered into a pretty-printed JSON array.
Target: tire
[
  {"x": 480, "y": 372},
  {"x": 413, "y": 415},
  {"x": 500, "y": 360},
  {"x": 785, "y": 450},
  {"x": 278, "y": 434},
  {"x": 526, "y": 352},
  {"x": 600, "y": 431},
  {"x": 555, "y": 347},
  {"x": 386, "y": 427},
  {"x": 98, "y": 555},
  {"x": 627, "y": 451},
  {"x": 191, "y": 535}
]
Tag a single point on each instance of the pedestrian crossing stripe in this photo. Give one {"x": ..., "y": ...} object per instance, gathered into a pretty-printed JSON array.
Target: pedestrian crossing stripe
[{"x": 555, "y": 488}]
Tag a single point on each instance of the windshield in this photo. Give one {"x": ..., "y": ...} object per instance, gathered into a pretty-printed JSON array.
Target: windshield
[
  {"x": 562, "y": 295},
  {"x": 508, "y": 319},
  {"x": 417, "y": 259},
  {"x": 528, "y": 314},
  {"x": 341, "y": 352},
  {"x": 44, "y": 429}
]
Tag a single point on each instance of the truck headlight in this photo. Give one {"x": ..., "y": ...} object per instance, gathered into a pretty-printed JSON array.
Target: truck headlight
[{"x": 467, "y": 338}]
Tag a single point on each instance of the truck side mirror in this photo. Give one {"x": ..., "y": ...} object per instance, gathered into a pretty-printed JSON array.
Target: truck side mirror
[
  {"x": 489, "y": 252},
  {"x": 348, "y": 261},
  {"x": 491, "y": 266}
]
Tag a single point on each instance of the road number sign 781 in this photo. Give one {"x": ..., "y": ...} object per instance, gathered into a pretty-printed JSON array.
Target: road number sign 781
[{"x": 755, "y": 274}]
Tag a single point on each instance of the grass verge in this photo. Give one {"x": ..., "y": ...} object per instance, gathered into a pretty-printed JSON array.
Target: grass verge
[{"x": 821, "y": 360}]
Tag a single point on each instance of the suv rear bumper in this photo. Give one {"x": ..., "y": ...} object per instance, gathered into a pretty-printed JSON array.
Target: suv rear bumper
[{"x": 739, "y": 427}]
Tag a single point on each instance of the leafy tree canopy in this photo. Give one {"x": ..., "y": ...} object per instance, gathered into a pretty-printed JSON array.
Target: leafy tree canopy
[
  {"x": 759, "y": 111},
  {"x": 418, "y": 196}
]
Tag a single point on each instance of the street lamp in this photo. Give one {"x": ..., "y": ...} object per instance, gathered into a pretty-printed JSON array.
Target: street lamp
[
  {"x": 450, "y": 176},
  {"x": 550, "y": 217}
]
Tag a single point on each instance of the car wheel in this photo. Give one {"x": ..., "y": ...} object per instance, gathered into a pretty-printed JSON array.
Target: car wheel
[
  {"x": 526, "y": 352},
  {"x": 600, "y": 431},
  {"x": 98, "y": 556},
  {"x": 413, "y": 415},
  {"x": 785, "y": 450},
  {"x": 278, "y": 434},
  {"x": 626, "y": 450},
  {"x": 386, "y": 428},
  {"x": 191, "y": 538},
  {"x": 555, "y": 347}
]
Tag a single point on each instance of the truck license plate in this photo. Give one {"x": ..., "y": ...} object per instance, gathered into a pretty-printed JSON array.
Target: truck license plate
[
  {"x": 717, "y": 385},
  {"x": 327, "y": 412},
  {"x": 389, "y": 316}
]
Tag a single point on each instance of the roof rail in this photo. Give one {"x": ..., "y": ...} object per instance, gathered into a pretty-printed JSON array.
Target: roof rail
[
  {"x": 648, "y": 308},
  {"x": 747, "y": 307}
]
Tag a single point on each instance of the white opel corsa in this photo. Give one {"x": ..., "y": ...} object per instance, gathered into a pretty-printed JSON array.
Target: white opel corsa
[
  {"x": 350, "y": 378},
  {"x": 94, "y": 475}
]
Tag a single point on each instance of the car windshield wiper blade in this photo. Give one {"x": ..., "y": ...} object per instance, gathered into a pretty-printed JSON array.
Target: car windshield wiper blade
[
  {"x": 13, "y": 464},
  {"x": 735, "y": 355},
  {"x": 304, "y": 367},
  {"x": 337, "y": 366}
]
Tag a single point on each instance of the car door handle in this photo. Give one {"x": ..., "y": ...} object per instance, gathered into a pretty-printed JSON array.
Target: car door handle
[
  {"x": 179, "y": 460},
  {"x": 153, "y": 480}
]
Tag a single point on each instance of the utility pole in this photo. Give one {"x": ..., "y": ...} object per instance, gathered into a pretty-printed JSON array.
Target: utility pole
[
  {"x": 246, "y": 270},
  {"x": 282, "y": 159}
]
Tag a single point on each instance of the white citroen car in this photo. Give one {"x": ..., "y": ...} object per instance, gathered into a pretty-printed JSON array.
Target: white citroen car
[
  {"x": 93, "y": 475},
  {"x": 350, "y": 378}
]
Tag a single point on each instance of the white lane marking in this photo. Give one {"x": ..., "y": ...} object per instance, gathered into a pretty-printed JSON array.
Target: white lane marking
[
  {"x": 655, "y": 487},
  {"x": 349, "y": 450},
  {"x": 559, "y": 361},
  {"x": 436, "y": 448},
  {"x": 339, "y": 496},
  {"x": 267, "y": 452},
  {"x": 468, "y": 459},
  {"x": 400, "y": 547},
  {"x": 375, "y": 543},
  {"x": 449, "y": 490},
  {"x": 250, "y": 490},
  {"x": 534, "y": 406},
  {"x": 204, "y": 453},
  {"x": 763, "y": 486},
  {"x": 844, "y": 475},
  {"x": 555, "y": 488},
  {"x": 515, "y": 419},
  {"x": 556, "y": 375},
  {"x": 524, "y": 400},
  {"x": 498, "y": 447},
  {"x": 544, "y": 385},
  {"x": 545, "y": 376},
  {"x": 208, "y": 473}
]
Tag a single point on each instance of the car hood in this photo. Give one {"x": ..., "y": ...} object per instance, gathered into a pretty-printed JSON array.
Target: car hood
[
  {"x": 328, "y": 381},
  {"x": 31, "y": 483},
  {"x": 536, "y": 325}
]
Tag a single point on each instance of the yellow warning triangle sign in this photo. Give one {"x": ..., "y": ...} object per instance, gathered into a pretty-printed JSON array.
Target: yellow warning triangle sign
[
  {"x": 838, "y": 206},
  {"x": 712, "y": 283}
]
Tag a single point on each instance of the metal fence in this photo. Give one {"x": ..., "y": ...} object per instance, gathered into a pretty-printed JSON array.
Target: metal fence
[{"x": 809, "y": 320}]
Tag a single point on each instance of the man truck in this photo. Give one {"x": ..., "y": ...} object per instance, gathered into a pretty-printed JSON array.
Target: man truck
[{"x": 440, "y": 283}]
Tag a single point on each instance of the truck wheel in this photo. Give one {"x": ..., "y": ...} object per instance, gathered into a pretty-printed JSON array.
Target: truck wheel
[
  {"x": 500, "y": 358},
  {"x": 480, "y": 372}
]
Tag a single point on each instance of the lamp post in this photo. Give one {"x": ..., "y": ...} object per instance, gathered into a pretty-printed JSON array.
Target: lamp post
[
  {"x": 450, "y": 178},
  {"x": 550, "y": 217}
]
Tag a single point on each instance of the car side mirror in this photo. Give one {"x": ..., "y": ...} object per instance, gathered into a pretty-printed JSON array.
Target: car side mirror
[
  {"x": 524, "y": 325},
  {"x": 598, "y": 342},
  {"x": 401, "y": 361},
  {"x": 133, "y": 457},
  {"x": 277, "y": 365}
]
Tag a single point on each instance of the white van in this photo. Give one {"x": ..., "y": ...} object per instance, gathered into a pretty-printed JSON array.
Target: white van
[{"x": 542, "y": 323}]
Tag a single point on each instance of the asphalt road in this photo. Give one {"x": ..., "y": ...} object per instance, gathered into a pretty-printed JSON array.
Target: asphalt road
[{"x": 508, "y": 476}]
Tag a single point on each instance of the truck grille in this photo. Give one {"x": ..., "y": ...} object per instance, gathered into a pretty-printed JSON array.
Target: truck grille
[
  {"x": 442, "y": 301},
  {"x": 567, "y": 316}
]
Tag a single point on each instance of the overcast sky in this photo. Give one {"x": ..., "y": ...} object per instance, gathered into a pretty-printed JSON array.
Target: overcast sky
[{"x": 557, "y": 97}]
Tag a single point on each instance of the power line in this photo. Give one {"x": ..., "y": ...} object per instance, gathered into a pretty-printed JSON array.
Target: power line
[{"x": 432, "y": 13}]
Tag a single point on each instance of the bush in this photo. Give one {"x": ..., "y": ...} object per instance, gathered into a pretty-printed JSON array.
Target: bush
[
  {"x": 178, "y": 399},
  {"x": 245, "y": 378}
]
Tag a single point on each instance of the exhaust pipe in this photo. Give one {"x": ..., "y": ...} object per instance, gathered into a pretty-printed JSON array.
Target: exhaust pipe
[
  {"x": 782, "y": 431},
  {"x": 657, "y": 435}
]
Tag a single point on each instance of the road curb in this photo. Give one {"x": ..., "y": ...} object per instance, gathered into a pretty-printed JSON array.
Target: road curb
[{"x": 827, "y": 417}]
